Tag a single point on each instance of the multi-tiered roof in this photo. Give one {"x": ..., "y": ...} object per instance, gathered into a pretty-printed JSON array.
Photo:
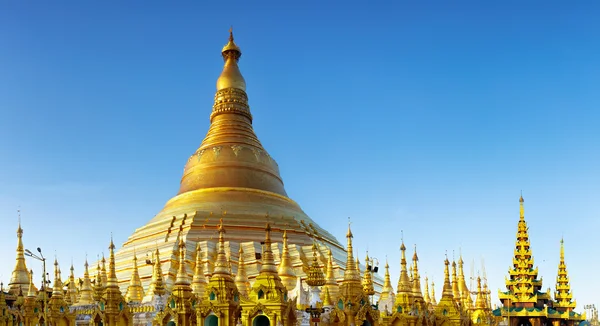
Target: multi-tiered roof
[{"x": 523, "y": 284}]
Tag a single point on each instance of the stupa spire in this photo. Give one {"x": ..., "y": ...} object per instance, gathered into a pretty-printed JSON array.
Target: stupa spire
[
  {"x": 352, "y": 273},
  {"x": 432, "y": 297},
  {"x": 221, "y": 265},
  {"x": 98, "y": 285},
  {"x": 135, "y": 290},
  {"x": 72, "y": 289},
  {"x": 480, "y": 302},
  {"x": 404, "y": 281},
  {"x": 447, "y": 290},
  {"x": 32, "y": 291},
  {"x": 231, "y": 77},
  {"x": 86, "y": 292},
  {"x": 103, "y": 273},
  {"x": 157, "y": 284},
  {"x": 426, "y": 296},
  {"x": 455, "y": 289},
  {"x": 198, "y": 280},
  {"x": 416, "y": 288},
  {"x": 387, "y": 290},
  {"x": 57, "y": 290},
  {"x": 182, "y": 275},
  {"x": 241, "y": 277},
  {"x": 465, "y": 295},
  {"x": 268, "y": 260},
  {"x": 563, "y": 298},
  {"x": 331, "y": 283},
  {"x": 19, "y": 279},
  {"x": 285, "y": 270}
]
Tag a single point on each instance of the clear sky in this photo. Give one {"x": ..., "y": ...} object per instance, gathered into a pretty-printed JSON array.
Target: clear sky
[{"x": 426, "y": 117}]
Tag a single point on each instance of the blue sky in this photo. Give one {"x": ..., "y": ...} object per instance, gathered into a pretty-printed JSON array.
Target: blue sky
[{"x": 426, "y": 117}]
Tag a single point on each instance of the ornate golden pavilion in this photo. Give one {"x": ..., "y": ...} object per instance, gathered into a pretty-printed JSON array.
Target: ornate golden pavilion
[
  {"x": 523, "y": 302},
  {"x": 232, "y": 249}
]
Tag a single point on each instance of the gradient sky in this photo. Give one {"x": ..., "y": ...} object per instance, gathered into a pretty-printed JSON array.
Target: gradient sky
[{"x": 426, "y": 117}]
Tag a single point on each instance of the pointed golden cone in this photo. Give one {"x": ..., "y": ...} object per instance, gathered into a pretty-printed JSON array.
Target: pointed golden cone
[
  {"x": 157, "y": 285},
  {"x": 426, "y": 297},
  {"x": 241, "y": 278},
  {"x": 447, "y": 289},
  {"x": 416, "y": 288},
  {"x": 182, "y": 275},
  {"x": 327, "y": 299},
  {"x": 455, "y": 289},
  {"x": 285, "y": 270},
  {"x": 19, "y": 279},
  {"x": 386, "y": 290},
  {"x": 86, "y": 292},
  {"x": 98, "y": 286},
  {"x": 465, "y": 295},
  {"x": 331, "y": 284},
  {"x": 135, "y": 290},
  {"x": 563, "y": 298},
  {"x": 31, "y": 293},
  {"x": 432, "y": 297},
  {"x": 480, "y": 300},
  {"x": 103, "y": 271},
  {"x": 57, "y": 290},
  {"x": 72, "y": 289},
  {"x": 221, "y": 280},
  {"x": 199, "y": 280}
]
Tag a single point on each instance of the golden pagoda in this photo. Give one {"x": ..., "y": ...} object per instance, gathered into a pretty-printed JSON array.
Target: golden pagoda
[
  {"x": 230, "y": 171},
  {"x": 563, "y": 298},
  {"x": 19, "y": 280},
  {"x": 524, "y": 303}
]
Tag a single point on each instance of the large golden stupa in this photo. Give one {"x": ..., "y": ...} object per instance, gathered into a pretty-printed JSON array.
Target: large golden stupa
[{"x": 230, "y": 176}]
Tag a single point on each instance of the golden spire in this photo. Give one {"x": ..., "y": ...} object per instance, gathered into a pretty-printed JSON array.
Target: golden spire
[
  {"x": 135, "y": 290},
  {"x": 98, "y": 286},
  {"x": 19, "y": 279},
  {"x": 157, "y": 284},
  {"x": 522, "y": 283},
  {"x": 31, "y": 292},
  {"x": 199, "y": 280},
  {"x": 368, "y": 287},
  {"x": 182, "y": 275},
  {"x": 231, "y": 77},
  {"x": 285, "y": 270},
  {"x": 416, "y": 288},
  {"x": 352, "y": 273},
  {"x": 86, "y": 292},
  {"x": 57, "y": 290},
  {"x": 563, "y": 298},
  {"x": 465, "y": 295},
  {"x": 331, "y": 284},
  {"x": 426, "y": 297},
  {"x": 404, "y": 281},
  {"x": 72, "y": 289},
  {"x": 241, "y": 278},
  {"x": 447, "y": 290},
  {"x": 315, "y": 275},
  {"x": 221, "y": 266},
  {"x": 3, "y": 304},
  {"x": 327, "y": 299},
  {"x": 480, "y": 300},
  {"x": 432, "y": 297},
  {"x": 231, "y": 154},
  {"x": 104, "y": 275},
  {"x": 268, "y": 260},
  {"x": 455, "y": 290},
  {"x": 111, "y": 281},
  {"x": 386, "y": 290},
  {"x": 221, "y": 286}
]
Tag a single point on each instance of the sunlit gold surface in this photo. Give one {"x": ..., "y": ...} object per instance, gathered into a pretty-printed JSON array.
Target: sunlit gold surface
[{"x": 230, "y": 172}]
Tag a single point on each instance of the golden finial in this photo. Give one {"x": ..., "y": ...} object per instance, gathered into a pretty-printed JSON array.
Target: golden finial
[{"x": 231, "y": 77}]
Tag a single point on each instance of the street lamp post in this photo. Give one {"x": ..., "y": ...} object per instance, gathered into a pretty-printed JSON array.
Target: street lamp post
[{"x": 44, "y": 281}]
